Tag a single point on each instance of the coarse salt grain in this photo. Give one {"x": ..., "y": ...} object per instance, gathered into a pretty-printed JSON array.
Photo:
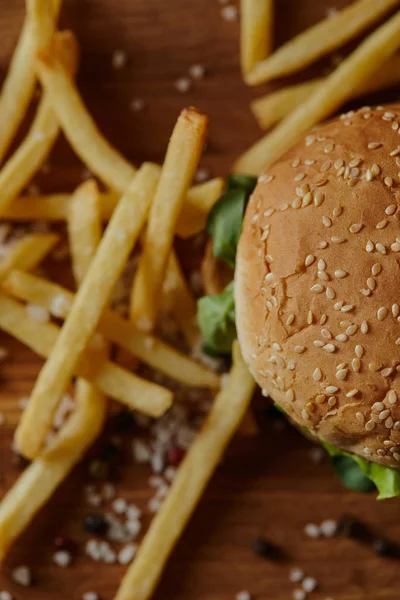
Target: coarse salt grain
[
  {"x": 141, "y": 452},
  {"x": 126, "y": 555},
  {"x": 62, "y": 558},
  {"x": 197, "y": 71},
  {"x": 296, "y": 575},
  {"x": 229, "y": 13},
  {"x": 183, "y": 85},
  {"x": 309, "y": 584},
  {"x": 137, "y": 104},
  {"x": 119, "y": 59},
  {"x": 328, "y": 528},
  {"x": 299, "y": 595},
  {"x": 22, "y": 575},
  {"x": 312, "y": 530},
  {"x": 119, "y": 506},
  {"x": 243, "y": 595}
]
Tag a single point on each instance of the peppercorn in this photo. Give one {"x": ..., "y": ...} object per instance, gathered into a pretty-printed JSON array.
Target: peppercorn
[
  {"x": 96, "y": 524},
  {"x": 383, "y": 547},
  {"x": 262, "y": 547},
  {"x": 99, "y": 469},
  {"x": 122, "y": 422},
  {"x": 352, "y": 528},
  {"x": 108, "y": 452}
]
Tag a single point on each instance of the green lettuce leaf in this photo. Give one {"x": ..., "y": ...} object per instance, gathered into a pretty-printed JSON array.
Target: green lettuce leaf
[
  {"x": 216, "y": 318},
  {"x": 364, "y": 476}
]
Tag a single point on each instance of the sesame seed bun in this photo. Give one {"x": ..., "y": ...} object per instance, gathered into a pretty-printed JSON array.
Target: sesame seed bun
[{"x": 317, "y": 283}]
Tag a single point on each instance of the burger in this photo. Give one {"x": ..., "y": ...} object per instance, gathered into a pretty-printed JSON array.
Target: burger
[{"x": 315, "y": 301}]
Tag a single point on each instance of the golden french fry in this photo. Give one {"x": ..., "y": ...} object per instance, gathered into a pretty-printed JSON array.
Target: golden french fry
[
  {"x": 19, "y": 84},
  {"x": 39, "y": 481},
  {"x": 84, "y": 227},
  {"x": 366, "y": 60},
  {"x": 27, "y": 253},
  {"x": 149, "y": 349},
  {"x": 33, "y": 151},
  {"x": 181, "y": 161},
  {"x": 193, "y": 475},
  {"x": 200, "y": 200},
  {"x": 108, "y": 377},
  {"x": 79, "y": 127},
  {"x": 123, "y": 230},
  {"x": 256, "y": 31},
  {"x": 273, "y": 107},
  {"x": 320, "y": 39},
  {"x": 180, "y": 301}
]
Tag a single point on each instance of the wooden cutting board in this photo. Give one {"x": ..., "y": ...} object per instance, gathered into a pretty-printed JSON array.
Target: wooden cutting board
[{"x": 267, "y": 484}]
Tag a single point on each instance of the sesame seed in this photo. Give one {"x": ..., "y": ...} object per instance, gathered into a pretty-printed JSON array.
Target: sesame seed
[
  {"x": 395, "y": 247},
  {"x": 338, "y": 305},
  {"x": 299, "y": 176},
  {"x": 356, "y": 364},
  {"x": 384, "y": 414},
  {"x": 391, "y": 209},
  {"x": 389, "y": 423},
  {"x": 290, "y": 395},
  {"x": 325, "y": 166},
  {"x": 387, "y": 372},
  {"x": 373, "y": 366},
  {"x": 337, "y": 239},
  {"x": 341, "y": 337},
  {"x": 380, "y": 248},
  {"x": 296, "y": 162},
  {"x": 329, "y": 148},
  {"x": 368, "y": 175},
  {"x": 321, "y": 264},
  {"x": 310, "y": 317},
  {"x": 296, "y": 203},
  {"x": 326, "y": 221},
  {"x": 375, "y": 170},
  {"x": 299, "y": 349},
  {"x": 351, "y": 329},
  {"x": 317, "y": 288},
  {"x": 329, "y": 347},
  {"x": 378, "y": 407},
  {"x": 352, "y": 393},
  {"x": 342, "y": 373},
  {"x": 395, "y": 152},
  {"x": 304, "y": 414},
  {"x": 337, "y": 211},
  {"x": 326, "y": 334},
  {"x": 269, "y": 277},
  {"x": 360, "y": 418},
  {"x": 376, "y": 269},
  {"x": 307, "y": 200},
  {"x": 309, "y": 162},
  {"x": 330, "y": 293},
  {"x": 388, "y": 181},
  {"x": 388, "y": 115},
  {"x": 310, "y": 139},
  {"x": 366, "y": 292},
  {"x": 323, "y": 245},
  {"x": 392, "y": 397},
  {"x": 356, "y": 227},
  {"x": 290, "y": 319},
  {"x": 340, "y": 273},
  {"x": 371, "y": 283},
  {"x": 359, "y": 351},
  {"x": 374, "y": 145},
  {"x": 364, "y": 327},
  {"x": 369, "y": 246},
  {"x": 339, "y": 163},
  {"x": 396, "y": 426},
  {"x": 319, "y": 344},
  {"x": 320, "y": 399},
  {"x": 347, "y": 308},
  {"x": 317, "y": 374},
  {"x": 323, "y": 275},
  {"x": 331, "y": 389},
  {"x": 381, "y": 224},
  {"x": 382, "y": 313},
  {"x": 369, "y": 425},
  {"x": 323, "y": 319},
  {"x": 397, "y": 342}
]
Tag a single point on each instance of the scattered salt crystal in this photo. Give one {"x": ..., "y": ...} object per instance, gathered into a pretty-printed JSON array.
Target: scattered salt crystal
[
  {"x": 170, "y": 473},
  {"x": 133, "y": 512},
  {"x": 119, "y": 506},
  {"x": 108, "y": 492},
  {"x": 23, "y": 402},
  {"x": 92, "y": 549},
  {"x": 197, "y": 71},
  {"x": 137, "y": 104},
  {"x": 157, "y": 462},
  {"x": 299, "y": 595},
  {"x": 38, "y": 313},
  {"x": 5, "y": 595},
  {"x": 243, "y": 595},
  {"x": 119, "y": 59},
  {"x": 229, "y": 13},
  {"x": 183, "y": 85},
  {"x": 22, "y": 575},
  {"x": 296, "y": 575},
  {"x": 127, "y": 553},
  {"x": 309, "y": 584},
  {"x": 133, "y": 527},
  {"x": 328, "y": 528},
  {"x": 62, "y": 558},
  {"x": 155, "y": 481},
  {"x": 90, "y": 596},
  {"x": 202, "y": 174},
  {"x": 154, "y": 505},
  {"x": 141, "y": 452},
  {"x": 312, "y": 530}
]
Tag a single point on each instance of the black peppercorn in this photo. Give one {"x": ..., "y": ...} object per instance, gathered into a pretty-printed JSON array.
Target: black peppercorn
[
  {"x": 383, "y": 547},
  {"x": 96, "y": 524},
  {"x": 262, "y": 547}
]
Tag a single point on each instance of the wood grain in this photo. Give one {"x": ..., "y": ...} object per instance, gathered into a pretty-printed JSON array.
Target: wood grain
[{"x": 266, "y": 485}]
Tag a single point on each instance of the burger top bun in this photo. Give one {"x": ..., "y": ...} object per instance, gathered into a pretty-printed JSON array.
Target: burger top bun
[{"x": 317, "y": 283}]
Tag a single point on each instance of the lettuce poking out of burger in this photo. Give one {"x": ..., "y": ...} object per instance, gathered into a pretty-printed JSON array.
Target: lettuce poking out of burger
[{"x": 216, "y": 317}]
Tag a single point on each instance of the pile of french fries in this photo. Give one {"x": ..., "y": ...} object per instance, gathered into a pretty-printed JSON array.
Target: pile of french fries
[
  {"x": 146, "y": 207},
  {"x": 372, "y": 66}
]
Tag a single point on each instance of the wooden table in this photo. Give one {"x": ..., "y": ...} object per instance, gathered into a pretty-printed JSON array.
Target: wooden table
[{"x": 267, "y": 484}]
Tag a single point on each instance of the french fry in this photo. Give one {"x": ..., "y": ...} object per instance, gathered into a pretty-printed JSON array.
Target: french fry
[
  {"x": 108, "y": 377},
  {"x": 27, "y": 253},
  {"x": 200, "y": 200},
  {"x": 19, "y": 84},
  {"x": 33, "y": 151},
  {"x": 178, "y": 297},
  {"x": 181, "y": 161},
  {"x": 123, "y": 230},
  {"x": 39, "y": 481},
  {"x": 338, "y": 87},
  {"x": 320, "y": 39},
  {"x": 149, "y": 349},
  {"x": 273, "y": 107},
  {"x": 192, "y": 220},
  {"x": 84, "y": 227},
  {"x": 256, "y": 30},
  {"x": 193, "y": 475},
  {"x": 79, "y": 127}
]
